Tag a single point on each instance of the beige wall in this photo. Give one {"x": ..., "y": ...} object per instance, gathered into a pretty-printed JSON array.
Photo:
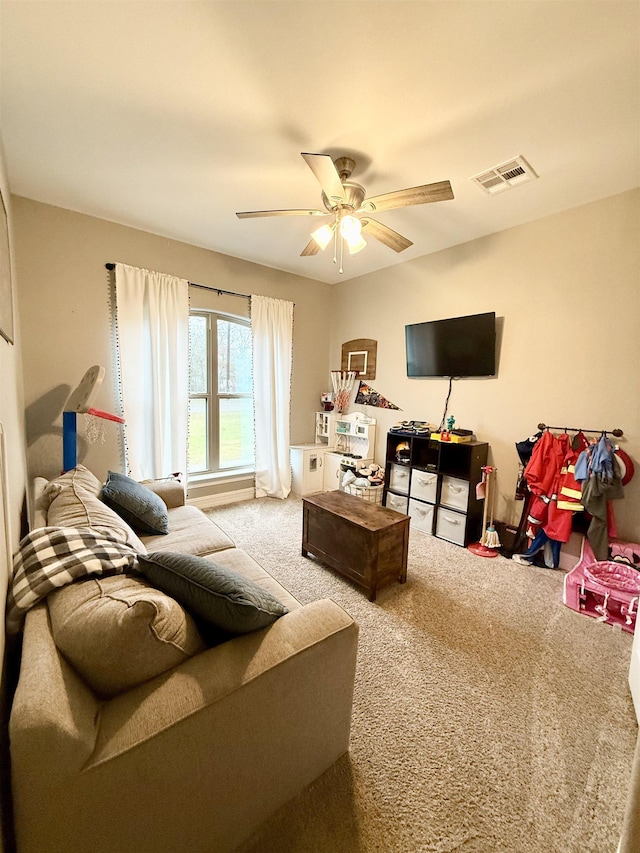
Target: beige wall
[
  {"x": 567, "y": 290},
  {"x": 65, "y": 290},
  {"x": 12, "y": 420}
]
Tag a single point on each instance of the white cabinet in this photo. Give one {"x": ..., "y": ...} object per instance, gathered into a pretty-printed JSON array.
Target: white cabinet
[
  {"x": 326, "y": 428},
  {"x": 316, "y": 467},
  {"x": 634, "y": 671},
  {"x": 307, "y": 468},
  {"x": 332, "y": 473}
]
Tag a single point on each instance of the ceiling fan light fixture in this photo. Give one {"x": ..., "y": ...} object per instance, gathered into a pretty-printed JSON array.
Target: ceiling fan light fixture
[
  {"x": 323, "y": 235},
  {"x": 350, "y": 228},
  {"x": 356, "y": 246},
  {"x": 345, "y": 201}
]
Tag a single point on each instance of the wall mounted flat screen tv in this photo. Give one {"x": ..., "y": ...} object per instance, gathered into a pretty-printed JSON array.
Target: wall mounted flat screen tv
[{"x": 459, "y": 346}]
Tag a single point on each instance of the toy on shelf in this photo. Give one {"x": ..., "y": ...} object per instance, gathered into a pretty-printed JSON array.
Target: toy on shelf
[
  {"x": 81, "y": 402},
  {"x": 606, "y": 590}
]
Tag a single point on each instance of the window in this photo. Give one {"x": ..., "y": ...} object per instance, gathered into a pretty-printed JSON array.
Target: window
[{"x": 220, "y": 394}]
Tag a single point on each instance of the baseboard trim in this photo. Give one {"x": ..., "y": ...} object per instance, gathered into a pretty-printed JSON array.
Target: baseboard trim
[{"x": 235, "y": 496}]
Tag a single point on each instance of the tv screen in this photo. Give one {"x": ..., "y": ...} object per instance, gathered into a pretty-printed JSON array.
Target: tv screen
[{"x": 459, "y": 346}]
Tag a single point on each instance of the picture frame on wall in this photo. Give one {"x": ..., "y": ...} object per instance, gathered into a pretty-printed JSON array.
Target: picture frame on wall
[{"x": 6, "y": 292}]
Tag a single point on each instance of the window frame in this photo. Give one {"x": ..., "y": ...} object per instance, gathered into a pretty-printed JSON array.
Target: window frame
[{"x": 212, "y": 397}]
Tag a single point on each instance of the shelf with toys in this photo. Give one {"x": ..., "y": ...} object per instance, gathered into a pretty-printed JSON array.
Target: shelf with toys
[{"x": 433, "y": 479}]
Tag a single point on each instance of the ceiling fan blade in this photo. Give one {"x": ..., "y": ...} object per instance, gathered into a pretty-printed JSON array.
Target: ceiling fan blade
[
  {"x": 323, "y": 168},
  {"x": 311, "y": 248},
  {"x": 440, "y": 191},
  {"x": 386, "y": 235},
  {"x": 251, "y": 214}
]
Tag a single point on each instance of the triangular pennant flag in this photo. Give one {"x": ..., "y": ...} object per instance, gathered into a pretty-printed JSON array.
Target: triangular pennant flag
[{"x": 368, "y": 396}]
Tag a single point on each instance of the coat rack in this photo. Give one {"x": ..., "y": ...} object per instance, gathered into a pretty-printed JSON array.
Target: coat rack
[
  {"x": 617, "y": 432},
  {"x": 519, "y": 536}
]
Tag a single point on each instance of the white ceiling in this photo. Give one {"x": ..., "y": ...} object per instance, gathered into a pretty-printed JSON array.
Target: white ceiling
[{"x": 172, "y": 116}]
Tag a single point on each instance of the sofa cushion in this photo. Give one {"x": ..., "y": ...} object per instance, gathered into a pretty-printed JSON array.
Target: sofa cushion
[
  {"x": 138, "y": 505},
  {"x": 238, "y": 561},
  {"x": 170, "y": 489},
  {"x": 190, "y": 532},
  {"x": 78, "y": 476},
  {"x": 119, "y": 631},
  {"x": 220, "y": 596},
  {"x": 74, "y": 506}
]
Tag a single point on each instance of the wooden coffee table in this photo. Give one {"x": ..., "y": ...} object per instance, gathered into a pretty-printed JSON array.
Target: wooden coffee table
[{"x": 362, "y": 541}]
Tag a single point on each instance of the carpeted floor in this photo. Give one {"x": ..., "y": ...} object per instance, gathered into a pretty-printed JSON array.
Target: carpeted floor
[{"x": 488, "y": 717}]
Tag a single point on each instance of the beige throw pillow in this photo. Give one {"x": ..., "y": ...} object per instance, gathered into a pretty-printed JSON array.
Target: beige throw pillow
[
  {"x": 74, "y": 506},
  {"x": 119, "y": 631},
  {"x": 78, "y": 476}
]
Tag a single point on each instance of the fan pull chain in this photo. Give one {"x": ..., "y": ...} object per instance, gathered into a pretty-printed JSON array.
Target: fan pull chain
[{"x": 341, "y": 254}]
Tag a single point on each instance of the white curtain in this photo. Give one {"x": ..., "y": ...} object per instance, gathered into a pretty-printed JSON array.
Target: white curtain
[
  {"x": 152, "y": 315},
  {"x": 272, "y": 335}
]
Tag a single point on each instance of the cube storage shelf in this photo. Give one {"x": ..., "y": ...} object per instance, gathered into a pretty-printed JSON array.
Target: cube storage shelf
[{"x": 435, "y": 483}]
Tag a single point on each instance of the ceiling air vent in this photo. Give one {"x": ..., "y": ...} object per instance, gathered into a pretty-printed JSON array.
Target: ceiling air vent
[{"x": 510, "y": 174}]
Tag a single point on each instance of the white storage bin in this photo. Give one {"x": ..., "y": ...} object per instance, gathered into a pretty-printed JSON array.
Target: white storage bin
[
  {"x": 397, "y": 502},
  {"x": 455, "y": 493},
  {"x": 421, "y": 516},
  {"x": 399, "y": 479},
  {"x": 424, "y": 485},
  {"x": 451, "y": 525}
]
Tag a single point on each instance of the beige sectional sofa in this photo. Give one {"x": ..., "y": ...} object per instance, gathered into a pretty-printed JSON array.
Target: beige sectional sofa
[{"x": 108, "y": 756}]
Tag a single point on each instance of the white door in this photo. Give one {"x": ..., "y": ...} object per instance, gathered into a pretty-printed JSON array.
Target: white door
[{"x": 332, "y": 472}]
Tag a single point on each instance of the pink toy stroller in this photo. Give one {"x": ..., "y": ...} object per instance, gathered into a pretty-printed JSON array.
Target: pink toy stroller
[{"x": 607, "y": 590}]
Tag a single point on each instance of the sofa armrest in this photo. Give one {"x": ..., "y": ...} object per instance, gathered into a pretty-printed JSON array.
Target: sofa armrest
[
  {"x": 53, "y": 722},
  {"x": 154, "y": 707},
  {"x": 199, "y": 757},
  {"x": 238, "y": 730},
  {"x": 172, "y": 492}
]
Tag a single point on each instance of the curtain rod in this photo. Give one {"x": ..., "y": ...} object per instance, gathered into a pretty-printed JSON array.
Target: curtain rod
[
  {"x": 617, "y": 432},
  {"x": 217, "y": 290}
]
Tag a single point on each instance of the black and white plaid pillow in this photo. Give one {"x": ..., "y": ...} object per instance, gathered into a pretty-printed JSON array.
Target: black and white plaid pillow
[{"x": 51, "y": 557}]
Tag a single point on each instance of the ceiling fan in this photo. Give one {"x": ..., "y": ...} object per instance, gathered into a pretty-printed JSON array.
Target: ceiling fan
[{"x": 346, "y": 202}]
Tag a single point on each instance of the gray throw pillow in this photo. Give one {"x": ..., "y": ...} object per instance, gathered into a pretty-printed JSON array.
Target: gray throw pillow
[
  {"x": 221, "y": 597},
  {"x": 138, "y": 505}
]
